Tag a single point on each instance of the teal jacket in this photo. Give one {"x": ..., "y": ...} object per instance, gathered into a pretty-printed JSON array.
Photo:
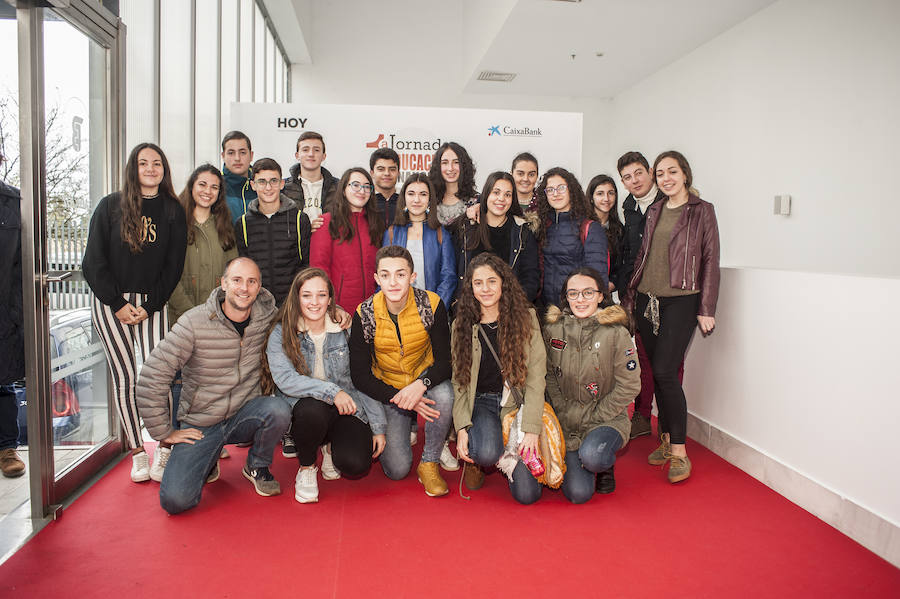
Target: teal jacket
[{"x": 238, "y": 193}]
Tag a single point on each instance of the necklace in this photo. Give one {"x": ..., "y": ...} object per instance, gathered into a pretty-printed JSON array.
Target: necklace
[{"x": 491, "y": 325}]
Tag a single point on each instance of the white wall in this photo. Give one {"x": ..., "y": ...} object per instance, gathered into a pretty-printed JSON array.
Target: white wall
[
  {"x": 801, "y": 98},
  {"x": 807, "y": 377},
  {"x": 357, "y": 62}
]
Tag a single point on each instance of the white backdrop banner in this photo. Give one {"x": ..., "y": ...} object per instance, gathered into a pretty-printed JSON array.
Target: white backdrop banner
[{"x": 352, "y": 133}]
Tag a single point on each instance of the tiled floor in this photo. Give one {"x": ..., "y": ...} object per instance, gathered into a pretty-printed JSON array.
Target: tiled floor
[{"x": 14, "y": 491}]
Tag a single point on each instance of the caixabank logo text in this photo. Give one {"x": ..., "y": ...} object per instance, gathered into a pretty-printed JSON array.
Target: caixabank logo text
[{"x": 511, "y": 131}]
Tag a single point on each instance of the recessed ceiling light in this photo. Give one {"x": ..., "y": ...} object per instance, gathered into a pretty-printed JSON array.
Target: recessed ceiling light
[
  {"x": 496, "y": 76},
  {"x": 599, "y": 54}
]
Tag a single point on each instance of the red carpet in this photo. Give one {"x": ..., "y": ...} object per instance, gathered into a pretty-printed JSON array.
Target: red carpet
[{"x": 719, "y": 534}]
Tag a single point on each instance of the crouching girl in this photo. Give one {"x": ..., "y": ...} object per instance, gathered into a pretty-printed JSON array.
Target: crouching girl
[
  {"x": 592, "y": 376},
  {"x": 493, "y": 311},
  {"x": 308, "y": 363}
]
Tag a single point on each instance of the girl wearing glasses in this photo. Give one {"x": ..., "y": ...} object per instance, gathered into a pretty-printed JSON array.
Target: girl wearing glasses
[
  {"x": 674, "y": 288},
  {"x": 452, "y": 174},
  {"x": 493, "y": 312},
  {"x": 416, "y": 227},
  {"x": 503, "y": 230},
  {"x": 569, "y": 235},
  {"x": 132, "y": 263},
  {"x": 604, "y": 198},
  {"x": 350, "y": 235},
  {"x": 592, "y": 376}
]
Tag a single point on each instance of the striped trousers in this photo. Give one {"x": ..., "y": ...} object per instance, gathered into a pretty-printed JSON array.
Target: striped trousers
[{"x": 119, "y": 342}]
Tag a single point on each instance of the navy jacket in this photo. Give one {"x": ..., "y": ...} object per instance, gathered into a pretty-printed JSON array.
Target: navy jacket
[
  {"x": 523, "y": 255},
  {"x": 12, "y": 325},
  {"x": 564, "y": 252},
  {"x": 440, "y": 258}
]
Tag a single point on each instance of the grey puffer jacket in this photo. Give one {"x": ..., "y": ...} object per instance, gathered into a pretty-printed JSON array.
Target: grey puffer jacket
[{"x": 220, "y": 369}]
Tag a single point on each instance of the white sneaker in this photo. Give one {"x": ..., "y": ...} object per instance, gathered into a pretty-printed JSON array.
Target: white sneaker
[
  {"x": 306, "y": 487},
  {"x": 329, "y": 472},
  {"x": 413, "y": 438},
  {"x": 448, "y": 460},
  {"x": 160, "y": 459},
  {"x": 140, "y": 467}
]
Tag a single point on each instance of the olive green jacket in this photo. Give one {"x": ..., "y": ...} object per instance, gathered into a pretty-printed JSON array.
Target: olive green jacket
[
  {"x": 204, "y": 263},
  {"x": 533, "y": 392},
  {"x": 592, "y": 372}
]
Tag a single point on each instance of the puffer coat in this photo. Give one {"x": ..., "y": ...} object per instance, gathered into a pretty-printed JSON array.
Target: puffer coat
[{"x": 220, "y": 369}]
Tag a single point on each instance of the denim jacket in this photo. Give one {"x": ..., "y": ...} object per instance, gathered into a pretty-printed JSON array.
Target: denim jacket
[{"x": 292, "y": 385}]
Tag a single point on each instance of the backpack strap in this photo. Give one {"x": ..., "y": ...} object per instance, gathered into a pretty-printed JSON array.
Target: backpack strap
[
  {"x": 391, "y": 235},
  {"x": 299, "y": 246},
  {"x": 440, "y": 230},
  {"x": 585, "y": 227}
]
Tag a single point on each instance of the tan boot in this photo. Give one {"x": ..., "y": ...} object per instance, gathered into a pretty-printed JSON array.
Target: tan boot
[
  {"x": 679, "y": 468},
  {"x": 661, "y": 454},
  {"x": 430, "y": 476},
  {"x": 640, "y": 425},
  {"x": 473, "y": 476},
  {"x": 11, "y": 464}
]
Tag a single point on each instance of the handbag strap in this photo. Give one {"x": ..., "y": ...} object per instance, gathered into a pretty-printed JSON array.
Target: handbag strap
[{"x": 516, "y": 395}]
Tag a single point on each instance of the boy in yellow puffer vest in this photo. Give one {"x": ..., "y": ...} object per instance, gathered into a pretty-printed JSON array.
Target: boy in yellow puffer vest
[{"x": 400, "y": 356}]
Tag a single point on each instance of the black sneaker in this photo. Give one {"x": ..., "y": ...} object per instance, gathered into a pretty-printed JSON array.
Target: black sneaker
[
  {"x": 288, "y": 449},
  {"x": 263, "y": 481},
  {"x": 606, "y": 482}
]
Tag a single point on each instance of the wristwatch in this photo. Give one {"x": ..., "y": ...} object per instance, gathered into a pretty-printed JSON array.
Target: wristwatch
[{"x": 426, "y": 380}]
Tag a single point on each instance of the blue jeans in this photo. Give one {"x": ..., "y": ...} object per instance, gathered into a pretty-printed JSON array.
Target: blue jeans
[
  {"x": 596, "y": 454},
  {"x": 486, "y": 447},
  {"x": 261, "y": 420},
  {"x": 396, "y": 460}
]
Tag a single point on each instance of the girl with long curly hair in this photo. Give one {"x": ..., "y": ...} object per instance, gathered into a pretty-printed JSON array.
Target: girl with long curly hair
[
  {"x": 307, "y": 362},
  {"x": 603, "y": 195},
  {"x": 452, "y": 173},
  {"x": 132, "y": 263},
  {"x": 350, "y": 235},
  {"x": 210, "y": 239},
  {"x": 492, "y": 309},
  {"x": 569, "y": 235},
  {"x": 592, "y": 376}
]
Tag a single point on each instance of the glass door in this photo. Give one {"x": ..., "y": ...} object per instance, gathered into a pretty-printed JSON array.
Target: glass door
[{"x": 70, "y": 139}]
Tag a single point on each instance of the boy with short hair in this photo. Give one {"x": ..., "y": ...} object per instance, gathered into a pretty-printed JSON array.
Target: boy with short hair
[
  {"x": 400, "y": 356},
  {"x": 274, "y": 232},
  {"x": 237, "y": 155},
  {"x": 311, "y": 185},
  {"x": 384, "y": 166}
]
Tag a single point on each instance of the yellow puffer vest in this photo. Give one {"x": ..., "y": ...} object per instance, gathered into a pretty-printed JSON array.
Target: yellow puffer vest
[{"x": 394, "y": 363}]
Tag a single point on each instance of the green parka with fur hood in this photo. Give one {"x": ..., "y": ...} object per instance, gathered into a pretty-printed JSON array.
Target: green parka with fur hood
[{"x": 592, "y": 372}]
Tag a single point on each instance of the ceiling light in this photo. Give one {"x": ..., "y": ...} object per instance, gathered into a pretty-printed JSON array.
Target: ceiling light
[{"x": 496, "y": 76}]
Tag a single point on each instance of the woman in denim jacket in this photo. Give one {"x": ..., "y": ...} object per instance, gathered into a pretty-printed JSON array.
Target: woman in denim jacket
[{"x": 311, "y": 371}]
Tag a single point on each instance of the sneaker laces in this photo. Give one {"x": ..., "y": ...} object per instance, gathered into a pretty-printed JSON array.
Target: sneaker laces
[
  {"x": 677, "y": 461},
  {"x": 307, "y": 477},
  {"x": 163, "y": 457},
  {"x": 262, "y": 473}
]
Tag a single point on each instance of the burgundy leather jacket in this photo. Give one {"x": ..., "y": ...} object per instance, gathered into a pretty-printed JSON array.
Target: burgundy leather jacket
[{"x": 693, "y": 253}]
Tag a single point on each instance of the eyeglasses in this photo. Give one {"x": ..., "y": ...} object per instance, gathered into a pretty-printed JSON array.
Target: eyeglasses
[
  {"x": 559, "y": 189},
  {"x": 587, "y": 294},
  {"x": 267, "y": 182},
  {"x": 356, "y": 185}
]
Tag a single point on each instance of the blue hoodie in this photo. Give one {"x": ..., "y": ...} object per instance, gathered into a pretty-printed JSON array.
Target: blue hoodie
[{"x": 238, "y": 192}]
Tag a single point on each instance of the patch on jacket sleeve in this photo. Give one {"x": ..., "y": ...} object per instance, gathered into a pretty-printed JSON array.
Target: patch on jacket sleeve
[
  {"x": 593, "y": 389},
  {"x": 629, "y": 352},
  {"x": 631, "y": 365},
  {"x": 557, "y": 343}
]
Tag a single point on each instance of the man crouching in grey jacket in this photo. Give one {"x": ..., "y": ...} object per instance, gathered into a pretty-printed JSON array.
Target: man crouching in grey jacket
[{"x": 218, "y": 347}]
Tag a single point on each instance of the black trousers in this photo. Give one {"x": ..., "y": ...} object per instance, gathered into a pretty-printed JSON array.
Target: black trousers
[
  {"x": 316, "y": 423},
  {"x": 677, "y": 322}
]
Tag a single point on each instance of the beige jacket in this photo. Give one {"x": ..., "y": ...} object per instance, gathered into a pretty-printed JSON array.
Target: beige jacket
[{"x": 220, "y": 369}]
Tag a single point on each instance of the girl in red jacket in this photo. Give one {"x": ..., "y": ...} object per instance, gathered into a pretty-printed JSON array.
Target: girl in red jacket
[{"x": 345, "y": 245}]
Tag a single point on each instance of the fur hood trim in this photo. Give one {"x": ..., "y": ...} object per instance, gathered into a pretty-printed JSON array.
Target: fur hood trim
[{"x": 611, "y": 316}]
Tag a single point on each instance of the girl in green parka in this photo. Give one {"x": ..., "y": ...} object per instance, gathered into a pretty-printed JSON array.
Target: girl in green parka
[
  {"x": 592, "y": 376},
  {"x": 210, "y": 240}
]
